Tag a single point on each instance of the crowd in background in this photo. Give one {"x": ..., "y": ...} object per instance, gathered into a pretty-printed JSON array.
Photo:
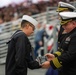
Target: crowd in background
[{"x": 13, "y": 12}]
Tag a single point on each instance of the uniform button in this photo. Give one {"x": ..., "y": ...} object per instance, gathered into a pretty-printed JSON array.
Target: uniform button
[
  {"x": 58, "y": 42},
  {"x": 60, "y": 62},
  {"x": 58, "y": 48},
  {"x": 61, "y": 49}
]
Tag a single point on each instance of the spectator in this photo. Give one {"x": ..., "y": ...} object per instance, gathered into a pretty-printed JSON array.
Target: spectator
[{"x": 38, "y": 38}]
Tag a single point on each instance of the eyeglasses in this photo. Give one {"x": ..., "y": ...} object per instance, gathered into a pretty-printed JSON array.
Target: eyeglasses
[{"x": 32, "y": 26}]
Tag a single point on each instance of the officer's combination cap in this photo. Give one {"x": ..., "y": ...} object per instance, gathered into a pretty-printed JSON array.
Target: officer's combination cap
[
  {"x": 67, "y": 17},
  {"x": 62, "y": 6},
  {"x": 30, "y": 19}
]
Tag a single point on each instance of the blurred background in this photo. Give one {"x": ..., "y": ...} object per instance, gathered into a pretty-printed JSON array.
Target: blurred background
[{"x": 44, "y": 11}]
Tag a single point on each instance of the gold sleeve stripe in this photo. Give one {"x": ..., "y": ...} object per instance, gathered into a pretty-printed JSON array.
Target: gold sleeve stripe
[
  {"x": 56, "y": 63},
  {"x": 58, "y": 53}
]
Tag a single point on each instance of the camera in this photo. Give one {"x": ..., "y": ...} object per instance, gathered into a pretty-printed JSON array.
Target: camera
[{"x": 41, "y": 59}]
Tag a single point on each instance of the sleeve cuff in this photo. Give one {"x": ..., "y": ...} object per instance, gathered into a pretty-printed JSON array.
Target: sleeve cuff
[{"x": 55, "y": 63}]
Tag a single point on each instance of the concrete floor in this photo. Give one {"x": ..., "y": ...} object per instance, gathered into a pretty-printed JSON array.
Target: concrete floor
[{"x": 30, "y": 72}]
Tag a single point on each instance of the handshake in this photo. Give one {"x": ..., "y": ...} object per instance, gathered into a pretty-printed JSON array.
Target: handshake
[{"x": 45, "y": 60}]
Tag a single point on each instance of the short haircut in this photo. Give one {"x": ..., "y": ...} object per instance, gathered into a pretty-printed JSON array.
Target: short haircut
[{"x": 24, "y": 23}]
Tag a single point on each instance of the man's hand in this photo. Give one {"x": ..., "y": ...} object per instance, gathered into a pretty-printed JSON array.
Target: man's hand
[
  {"x": 40, "y": 43},
  {"x": 49, "y": 56},
  {"x": 46, "y": 65}
]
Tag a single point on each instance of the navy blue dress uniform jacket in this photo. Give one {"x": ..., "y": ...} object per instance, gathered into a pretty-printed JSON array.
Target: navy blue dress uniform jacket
[
  {"x": 18, "y": 56},
  {"x": 65, "y": 57},
  {"x": 61, "y": 35}
]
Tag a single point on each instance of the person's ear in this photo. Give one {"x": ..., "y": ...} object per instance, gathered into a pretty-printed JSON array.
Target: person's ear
[{"x": 74, "y": 23}]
